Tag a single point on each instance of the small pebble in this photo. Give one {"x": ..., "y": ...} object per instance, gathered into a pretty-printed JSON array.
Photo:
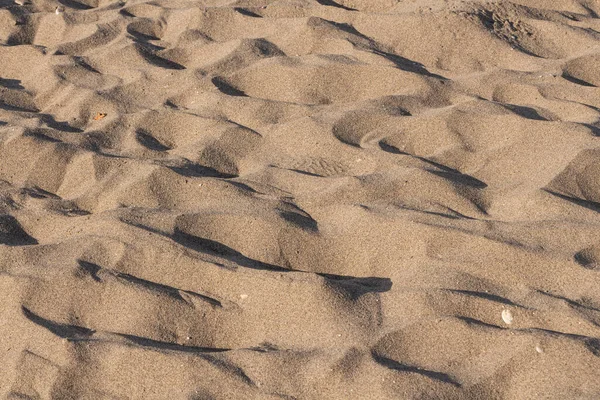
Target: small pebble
[
  {"x": 59, "y": 10},
  {"x": 507, "y": 316},
  {"x": 243, "y": 296}
]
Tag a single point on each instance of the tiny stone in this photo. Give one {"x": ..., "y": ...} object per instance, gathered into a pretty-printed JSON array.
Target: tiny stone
[
  {"x": 243, "y": 296},
  {"x": 507, "y": 316}
]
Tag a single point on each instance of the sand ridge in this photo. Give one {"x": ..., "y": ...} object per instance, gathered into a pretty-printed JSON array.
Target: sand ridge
[{"x": 299, "y": 199}]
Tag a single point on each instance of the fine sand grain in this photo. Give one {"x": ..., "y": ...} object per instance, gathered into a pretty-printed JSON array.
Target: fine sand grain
[{"x": 300, "y": 199}]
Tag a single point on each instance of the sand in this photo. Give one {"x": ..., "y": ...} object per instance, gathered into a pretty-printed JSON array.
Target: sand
[{"x": 300, "y": 199}]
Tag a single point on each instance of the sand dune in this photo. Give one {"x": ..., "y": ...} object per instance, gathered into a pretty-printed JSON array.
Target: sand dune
[{"x": 300, "y": 199}]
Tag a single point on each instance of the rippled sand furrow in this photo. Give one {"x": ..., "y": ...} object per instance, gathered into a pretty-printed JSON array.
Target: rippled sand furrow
[{"x": 257, "y": 199}]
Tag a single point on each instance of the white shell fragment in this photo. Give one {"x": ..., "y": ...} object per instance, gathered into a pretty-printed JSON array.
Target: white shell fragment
[
  {"x": 507, "y": 316},
  {"x": 243, "y": 296},
  {"x": 539, "y": 349}
]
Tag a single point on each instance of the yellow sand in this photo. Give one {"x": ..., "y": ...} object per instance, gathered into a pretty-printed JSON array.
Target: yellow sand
[{"x": 300, "y": 199}]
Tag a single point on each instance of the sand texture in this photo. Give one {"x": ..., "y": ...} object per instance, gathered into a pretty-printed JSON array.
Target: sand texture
[{"x": 300, "y": 199}]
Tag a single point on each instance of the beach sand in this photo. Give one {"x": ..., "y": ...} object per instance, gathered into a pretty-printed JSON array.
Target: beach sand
[{"x": 300, "y": 199}]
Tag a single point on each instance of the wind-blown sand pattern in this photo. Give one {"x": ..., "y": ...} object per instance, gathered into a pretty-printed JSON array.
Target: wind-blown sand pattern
[{"x": 300, "y": 199}]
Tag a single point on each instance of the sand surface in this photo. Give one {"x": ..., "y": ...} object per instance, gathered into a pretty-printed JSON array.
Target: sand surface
[{"x": 300, "y": 199}]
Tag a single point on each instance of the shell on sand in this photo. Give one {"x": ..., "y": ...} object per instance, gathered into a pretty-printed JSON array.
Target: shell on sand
[{"x": 507, "y": 316}]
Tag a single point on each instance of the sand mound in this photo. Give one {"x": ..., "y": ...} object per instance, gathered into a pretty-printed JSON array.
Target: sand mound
[{"x": 311, "y": 199}]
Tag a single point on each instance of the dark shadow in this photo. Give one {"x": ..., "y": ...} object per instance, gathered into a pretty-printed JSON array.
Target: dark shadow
[
  {"x": 266, "y": 49},
  {"x": 126, "y": 13},
  {"x": 156, "y": 60},
  {"x": 162, "y": 346},
  {"x": 91, "y": 269},
  {"x": 476, "y": 322},
  {"x": 82, "y": 63},
  {"x": 149, "y": 141},
  {"x": 144, "y": 41},
  {"x": 570, "y": 302},
  {"x": 460, "y": 178},
  {"x": 75, "y": 5},
  {"x": 8, "y": 107},
  {"x": 11, "y": 83},
  {"x": 525, "y": 112},
  {"x": 593, "y": 345},
  {"x": 353, "y": 286},
  {"x": 12, "y": 234},
  {"x": 453, "y": 214},
  {"x": 590, "y": 205},
  {"x": 391, "y": 149},
  {"x": 408, "y": 65},
  {"x": 228, "y": 368},
  {"x": 170, "y": 104},
  {"x": 73, "y": 332},
  {"x": 226, "y": 88},
  {"x": 454, "y": 175},
  {"x": 577, "y": 81},
  {"x": 590, "y": 11},
  {"x": 265, "y": 347},
  {"x": 299, "y": 217},
  {"x": 168, "y": 290},
  {"x": 400, "y": 62},
  {"x": 141, "y": 37},
  {"x": 299, "y": 171},
  {"x": 58, "y": 125},
  {"x": 446, "y": 172},
  {"x": 572, "y": 16},
  {"x": 247, "y": 12},
  {"x": 39, "y": 193},
  {"x": 199, "y": 171},
  {"x": 213, "y": 247},
  {"x": 585, "y": 260},
  {"x": 38, "y": 134},
  {"x": 332, "y": 3},
  {"x": 395, "y": 365},
  {"x": 302, "y": 221},
  {"x": 357, "y": 286},
  {"x": 243, "y": 186},
  {"x": 64, "y": 331},
  {"x": 484, "y": 295},
  {"x": 595, "y": 130}
]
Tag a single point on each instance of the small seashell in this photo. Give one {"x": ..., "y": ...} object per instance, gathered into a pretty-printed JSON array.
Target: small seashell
[
  {"x": 539, "y": 349},
  {"x": 507, "y": 316},
  {"x": 243, "y": 296},
  {"x": 59, "y": 10}
]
